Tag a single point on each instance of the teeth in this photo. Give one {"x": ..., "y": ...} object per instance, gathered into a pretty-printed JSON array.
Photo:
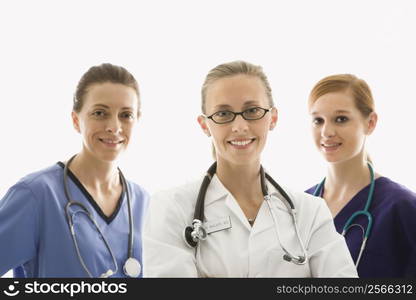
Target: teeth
[
  {"x": 330, "y": 145},
  {"x": 110, "y": 141},
  {"x": 241, "y": 143}
]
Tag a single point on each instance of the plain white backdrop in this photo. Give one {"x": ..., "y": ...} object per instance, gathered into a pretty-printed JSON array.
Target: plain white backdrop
[{"x": 46, "y": 46}]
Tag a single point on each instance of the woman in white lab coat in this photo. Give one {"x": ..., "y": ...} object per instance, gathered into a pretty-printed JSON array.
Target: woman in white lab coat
[{"x": 246, "y": 226}]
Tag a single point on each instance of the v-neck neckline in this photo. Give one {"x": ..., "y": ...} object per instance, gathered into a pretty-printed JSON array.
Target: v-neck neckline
[
  {"x": 347, "y": 207},
  {"x": 107, "y": 219}
]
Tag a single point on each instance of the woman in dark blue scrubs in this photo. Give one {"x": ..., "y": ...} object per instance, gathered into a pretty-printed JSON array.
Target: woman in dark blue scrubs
[{"x": 342, "y": 111}]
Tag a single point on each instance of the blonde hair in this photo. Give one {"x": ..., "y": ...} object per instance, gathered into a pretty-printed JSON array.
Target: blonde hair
[
  {"x": 348, "y": 83},
  {"x": 231, "y": 69}
]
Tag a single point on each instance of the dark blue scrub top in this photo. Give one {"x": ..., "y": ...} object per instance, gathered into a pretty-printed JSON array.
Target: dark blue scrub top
[{"x": 391, "y": 246}]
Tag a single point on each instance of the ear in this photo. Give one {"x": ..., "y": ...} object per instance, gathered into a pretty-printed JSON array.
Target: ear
[
  {"x": 371, "y": 122},
  {"x": 274, "y": 119},
  {"x": 75, "y": 121},
  {"x": 203, "y": 123}
]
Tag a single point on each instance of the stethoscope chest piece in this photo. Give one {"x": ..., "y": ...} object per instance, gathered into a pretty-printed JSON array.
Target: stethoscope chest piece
[
  {"x": 193, "y": 234},
  {"x": 197, "y": 232},
  {"x": 187, "y": 236},
  {"x": 132, "y": 267}
]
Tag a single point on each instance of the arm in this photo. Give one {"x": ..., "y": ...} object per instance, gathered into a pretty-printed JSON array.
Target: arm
[
  {"x": 404, "y": 213},
  {"x": 18, "y": 227},
  {"x": 328, "y": 252},
  {"x": 164, "y": 250}
]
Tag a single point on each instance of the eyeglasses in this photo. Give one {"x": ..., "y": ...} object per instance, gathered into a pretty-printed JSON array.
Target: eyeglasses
[{"x": 227, "y": 116}]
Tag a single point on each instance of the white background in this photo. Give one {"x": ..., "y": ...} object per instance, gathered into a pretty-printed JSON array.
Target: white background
[{"x": 45, "y": 47}]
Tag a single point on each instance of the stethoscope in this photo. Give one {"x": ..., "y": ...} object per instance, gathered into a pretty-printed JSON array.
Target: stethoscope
[
  {"x": 132, "y": 267},
  {"x": 365, "y": 212},
  {"x": 196, "y": 232}
]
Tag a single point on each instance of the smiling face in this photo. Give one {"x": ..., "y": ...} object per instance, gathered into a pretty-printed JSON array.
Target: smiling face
[
  {"x": 339, "y": 129},
  {"x": 240, "y": 141},
  {"x": 106, "y": 120}
]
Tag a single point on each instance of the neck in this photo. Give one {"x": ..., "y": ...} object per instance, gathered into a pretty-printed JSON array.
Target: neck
[
  {"x": 243, "y": 181},
  {"x": 93, "y": 173},
  {"x": 351, "y": 175}
]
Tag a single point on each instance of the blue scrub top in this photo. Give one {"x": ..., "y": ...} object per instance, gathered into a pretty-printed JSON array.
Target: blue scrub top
[
  {"x": 35, "y": 237},
  {"x": 391, "y": 246}
]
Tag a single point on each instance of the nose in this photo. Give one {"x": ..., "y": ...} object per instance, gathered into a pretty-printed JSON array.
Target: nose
[
  {"x": 113, "y": 126},
  {"x": 239, "y": 124},
  {"x": 327, "y": 130}
]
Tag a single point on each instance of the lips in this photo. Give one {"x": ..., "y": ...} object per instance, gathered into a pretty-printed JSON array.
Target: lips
[
  {"x": 241, "y": 143},
  {"x": 110, "y": 141},
  {"x": 330, "y": 146}
]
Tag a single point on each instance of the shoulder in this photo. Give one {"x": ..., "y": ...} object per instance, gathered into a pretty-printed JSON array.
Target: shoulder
[
  {"x": 174, "y": 206},
  {"x": 180, "y": 193},
  {"x": 46, "y": 178},
  {"x": 183, "y": 195},
  {"x": 138, "y": 190},
  {"x": 394, "y": 199},
  {"x": 395, "y": 193},
  {"x": 28, "y": 193},
  {"x": 386, "y": 184},
  {"x": 140, "y": 196},
  {"x": 311, "y": 212},
  {"x": 303, "y": 201}
]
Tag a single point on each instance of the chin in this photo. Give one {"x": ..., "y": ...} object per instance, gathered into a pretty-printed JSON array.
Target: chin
[
  {"x": 243, "y": 161},
  {"x": 108, "y": 157},
  {"x": 331, "y": 158},
  {"x": 337, "y": 160}
]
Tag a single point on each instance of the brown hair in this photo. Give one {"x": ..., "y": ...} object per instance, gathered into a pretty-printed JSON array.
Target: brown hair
[
  {"x": 231, "y": 69},
  {"x": 101, "y": 74},
  {"x": 358, "y": 88}
]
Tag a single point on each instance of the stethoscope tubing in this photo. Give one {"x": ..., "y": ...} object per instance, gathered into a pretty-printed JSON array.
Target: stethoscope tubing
[
  {"x": 74, "y": 239},
  {"x": 365, "y": 212},
  {"x": 85, "y": 210},
  {"x": 298, "y": 260},
  {"x": 193, "y": 234}
]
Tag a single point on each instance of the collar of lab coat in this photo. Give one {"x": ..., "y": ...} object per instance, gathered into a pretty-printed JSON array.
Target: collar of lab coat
[{"x": 216, "y": 191}]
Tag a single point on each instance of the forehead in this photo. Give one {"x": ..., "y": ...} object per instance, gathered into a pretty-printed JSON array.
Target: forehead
[
  {"x": 111, "y": 94},
  {"x": 334, "y": 102},
  {"x": 235, "y": 91}
]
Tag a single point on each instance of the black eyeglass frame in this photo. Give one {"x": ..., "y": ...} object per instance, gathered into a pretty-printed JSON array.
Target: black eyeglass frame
[{"x": 235, "y": 114}]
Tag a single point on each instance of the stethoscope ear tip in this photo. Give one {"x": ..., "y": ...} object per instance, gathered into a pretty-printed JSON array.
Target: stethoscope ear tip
[
  {"x": 297, "y": 260},
  {"x": 107, "y": 274},
  {"x": 287, "y": 258}
]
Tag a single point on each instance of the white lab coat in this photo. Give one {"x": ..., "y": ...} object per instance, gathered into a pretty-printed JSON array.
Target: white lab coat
[{"x": 241, "y": 251}]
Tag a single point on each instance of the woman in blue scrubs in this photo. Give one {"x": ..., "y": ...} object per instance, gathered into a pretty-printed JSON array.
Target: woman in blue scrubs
[
  {"x": 35, "y": 218},
  {"x": 343, "y": 115}
]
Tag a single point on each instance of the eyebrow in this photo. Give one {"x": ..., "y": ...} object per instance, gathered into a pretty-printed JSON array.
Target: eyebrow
[
  {"x": 339, "y": 111},
  {"x": 247, "y": 103},
  {"x": 108, "y": 107}
]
